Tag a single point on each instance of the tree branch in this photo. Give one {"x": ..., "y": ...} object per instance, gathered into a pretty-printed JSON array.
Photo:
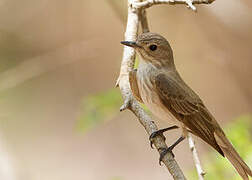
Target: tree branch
[
  {"x": 127, "y": 65},
  {"x": 143, "y": 20},
  {"x": 189, "y": 3}
]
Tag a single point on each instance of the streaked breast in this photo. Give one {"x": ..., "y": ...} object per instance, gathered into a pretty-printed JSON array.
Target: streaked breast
[{"x": 148, "y": 94}]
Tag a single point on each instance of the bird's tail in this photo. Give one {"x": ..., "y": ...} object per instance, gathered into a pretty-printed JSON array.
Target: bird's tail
[{"x": 231, "y": 154}]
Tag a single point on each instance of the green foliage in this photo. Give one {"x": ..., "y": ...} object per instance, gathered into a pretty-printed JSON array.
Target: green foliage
[
  {"x": 99, "y": 107},
  {"x": 218, "y": 168}
]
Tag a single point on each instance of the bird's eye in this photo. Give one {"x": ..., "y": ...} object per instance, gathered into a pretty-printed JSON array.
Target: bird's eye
[{"x": 153, "y": 47}]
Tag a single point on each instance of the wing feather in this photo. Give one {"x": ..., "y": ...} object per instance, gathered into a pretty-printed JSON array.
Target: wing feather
[
  {"x": 134, "y": 86},
  {"x": 187, "y": 107}
]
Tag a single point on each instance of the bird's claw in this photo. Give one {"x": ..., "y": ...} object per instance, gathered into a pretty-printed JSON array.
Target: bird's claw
[
  {"x": 160, "y": 133},
  {"x": 164, "y": 152},
  {"x": 155, "y": 134}
]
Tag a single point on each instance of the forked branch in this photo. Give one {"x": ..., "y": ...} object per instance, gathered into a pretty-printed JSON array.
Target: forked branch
[{"x": 189, "y": 3}]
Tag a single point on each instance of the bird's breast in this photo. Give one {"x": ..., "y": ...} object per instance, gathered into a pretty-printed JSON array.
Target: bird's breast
[{"x": 149, "y": 94}]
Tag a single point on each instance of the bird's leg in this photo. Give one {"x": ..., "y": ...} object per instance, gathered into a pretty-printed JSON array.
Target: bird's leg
[
  {"x": 160, "y": 133},
  {"x": 170, "y": 148}
]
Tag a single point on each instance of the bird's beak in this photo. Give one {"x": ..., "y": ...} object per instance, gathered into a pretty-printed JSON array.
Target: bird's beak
[{"x": 129, "y": 43}]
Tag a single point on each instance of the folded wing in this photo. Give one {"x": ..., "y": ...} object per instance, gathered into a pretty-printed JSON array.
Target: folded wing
[{"x": 187, "y": 107}]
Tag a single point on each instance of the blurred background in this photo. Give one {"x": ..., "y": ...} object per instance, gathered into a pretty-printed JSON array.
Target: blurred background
[{"x": 59, "y": 109}]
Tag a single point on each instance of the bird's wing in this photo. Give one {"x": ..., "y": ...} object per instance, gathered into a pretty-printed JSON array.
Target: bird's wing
[
  {"x": 134, "y": 86},
  {"x": 187, "y": 107}
]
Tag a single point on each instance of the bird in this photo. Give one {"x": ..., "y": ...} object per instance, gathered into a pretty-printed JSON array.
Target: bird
[{"x": 157, "y": 84}]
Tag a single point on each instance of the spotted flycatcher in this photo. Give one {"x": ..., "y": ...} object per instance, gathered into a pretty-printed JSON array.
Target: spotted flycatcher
[{"x": 158, "y": 85}]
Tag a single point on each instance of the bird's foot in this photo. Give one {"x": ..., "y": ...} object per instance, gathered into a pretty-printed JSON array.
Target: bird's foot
[
  {"x": 169, "y": 149},
  {"x": 160, "y": 133},
  {"x": 164, "y": 152}
]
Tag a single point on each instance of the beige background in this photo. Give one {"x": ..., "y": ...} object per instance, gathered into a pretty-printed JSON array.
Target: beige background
[{"x": 55, "y": 52}]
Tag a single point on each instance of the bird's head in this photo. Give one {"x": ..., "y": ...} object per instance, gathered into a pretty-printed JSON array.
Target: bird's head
[{"x": 152, "y": 48}]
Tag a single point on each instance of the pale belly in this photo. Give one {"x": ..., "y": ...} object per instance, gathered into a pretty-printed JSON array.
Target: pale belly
[
  {"x": 153, "y": 103},
  {"x": 159, "y": 110}
]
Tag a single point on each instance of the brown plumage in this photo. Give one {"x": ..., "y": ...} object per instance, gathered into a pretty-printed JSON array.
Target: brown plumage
[{"x": 157, "y": 84}]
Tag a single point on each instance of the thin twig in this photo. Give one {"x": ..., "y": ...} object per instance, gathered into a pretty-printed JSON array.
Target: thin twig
[
  {"x": 143, "y": 20},
  {"x": 196, "y": 160},
  {"x": 189, "y": 3}
]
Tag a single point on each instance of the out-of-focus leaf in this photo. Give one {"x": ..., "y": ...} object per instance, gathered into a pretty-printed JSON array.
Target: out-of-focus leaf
[
  {"x": 99, "y": 107},
  {"x": 217, "y": 167}
]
